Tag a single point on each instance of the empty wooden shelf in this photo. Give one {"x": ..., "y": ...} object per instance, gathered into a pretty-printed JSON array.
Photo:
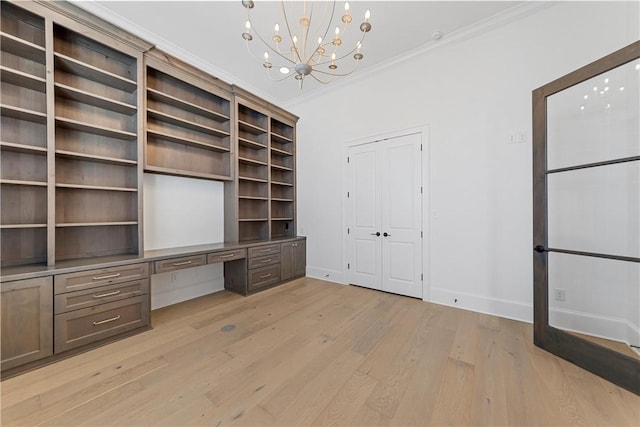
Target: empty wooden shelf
[
  {"x": 23, "y": 155},
  {"x": 188, "y": 121}
]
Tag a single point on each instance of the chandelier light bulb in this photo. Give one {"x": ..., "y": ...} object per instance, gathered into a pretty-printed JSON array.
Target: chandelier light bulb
[
  {"x": 333, "y": 65},
  {"x": 276, "y": 37},
  {"x": 266, "y": 56},
  {"x": 295, "y": 40},
  {"x": 365, "y": 27},
  {"x": 358, "y": 55},
  {"x": 247, "y": 34},
  {"x": 284, "y": 70},
  {"x": 337, "y": 41},
  {"x": 320, "y": 49},
  {"x": 346, "y": 18}
]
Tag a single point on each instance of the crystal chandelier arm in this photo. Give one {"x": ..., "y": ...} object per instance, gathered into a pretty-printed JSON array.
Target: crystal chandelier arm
[
  {"x": 280, "y": 79},
  {"x": 320, "y": 81},
  {"x": 305, "y": 38},
  {"x": 277, "y": 52},
  {"x": 330, "y": 21},
  {"x": 286, "y": 21},
  {"x": 345, "y": 55},
  {"x": 318, "y": 30},
  {"x": 337, "y": 74}
]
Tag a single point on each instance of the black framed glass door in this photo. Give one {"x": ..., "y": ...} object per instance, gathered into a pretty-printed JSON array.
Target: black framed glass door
[{"x": 586, "y": 213}]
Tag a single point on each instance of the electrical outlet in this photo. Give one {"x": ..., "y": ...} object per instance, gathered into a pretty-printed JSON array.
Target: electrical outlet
[
  {"x": 559, "y": 294},
  {"x": 522, "y": 137},
  {"x": 512, "y": 138}
]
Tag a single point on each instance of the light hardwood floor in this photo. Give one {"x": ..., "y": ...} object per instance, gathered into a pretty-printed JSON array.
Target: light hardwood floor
[{"x": 316, "y": 353}]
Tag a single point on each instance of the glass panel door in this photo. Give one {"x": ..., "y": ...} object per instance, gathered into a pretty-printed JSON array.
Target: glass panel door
[{"x": 587, "y": 217}]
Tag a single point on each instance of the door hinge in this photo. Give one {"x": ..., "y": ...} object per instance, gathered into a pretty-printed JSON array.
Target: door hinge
[
  {"x": 421, "y": 234},
  {"x": 347, "y": 194},
  {"x": 348, "y": 231},
  {"x": 348, "y": 266},
  {"x": 422, "y": 276},
  {"x": 420, "y": 147},
  {"x": 347, "y": 159},
  {"x": 421, "y": 189}
]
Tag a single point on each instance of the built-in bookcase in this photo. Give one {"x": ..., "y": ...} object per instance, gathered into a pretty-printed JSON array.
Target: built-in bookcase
[
  {"x": 188, "y": 125},
  {"x": 69, "y": 147},
  {"x": 23, "y": 142},
  {"x": 282, "y": 179},
  {"x": 253, "y": 173},
  {"x": 96, "y": 156},
  {"x": 263, "y": 198}
]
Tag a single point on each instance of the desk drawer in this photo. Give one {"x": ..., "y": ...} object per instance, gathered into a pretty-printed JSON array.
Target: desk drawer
[
  {"x": 180, "y": 263},
  {"x": 101, "y": 277},
  {"x": 263, "y": 277},
  {"x": 81, "y": 327},
  {"x": 257, "y": 251},
  {"x": 264, "y": 261},
  {"x": 226, "y": 256},
  {"x": 99, "y": 295}
]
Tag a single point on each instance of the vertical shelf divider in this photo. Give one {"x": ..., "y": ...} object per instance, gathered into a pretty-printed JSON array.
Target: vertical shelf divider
[{"x": 51, "y": 146}]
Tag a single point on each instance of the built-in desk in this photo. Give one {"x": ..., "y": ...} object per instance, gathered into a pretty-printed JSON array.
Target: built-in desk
[{"x": 49, "y": 312}]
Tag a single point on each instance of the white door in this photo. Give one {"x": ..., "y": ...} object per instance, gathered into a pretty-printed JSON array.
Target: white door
[
  {"x": 384, "y": 211},
  {"x": 365, "y": 217}
]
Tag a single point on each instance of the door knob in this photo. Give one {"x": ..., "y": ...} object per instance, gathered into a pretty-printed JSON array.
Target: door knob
[
  {"x": 385, "y": 234},
  {"x": 540, "y": 249},
  {"x": 376, "y": 234}
]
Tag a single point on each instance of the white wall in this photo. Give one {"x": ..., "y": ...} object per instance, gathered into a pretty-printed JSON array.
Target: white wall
[
  {"x": 472, "y": 93},
  {"x": 183, "y": 212}
]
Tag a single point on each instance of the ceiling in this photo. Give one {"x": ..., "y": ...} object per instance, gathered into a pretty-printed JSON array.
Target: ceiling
[{"x": 208, "y": 33}]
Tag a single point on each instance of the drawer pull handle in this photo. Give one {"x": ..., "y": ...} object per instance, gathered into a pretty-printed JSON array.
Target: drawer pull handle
[
  {"x": 113, "y": 319},
  {"x": 264, "y": 250},
  {"x": 227, "y": 256},
  {"x": 108, "y": 276},
  {"x": 175, "y": 264},
  {"x": 264, "y": 261},
  {"x": 264, "y": 276},
  {"x": 108, "y": 294}
]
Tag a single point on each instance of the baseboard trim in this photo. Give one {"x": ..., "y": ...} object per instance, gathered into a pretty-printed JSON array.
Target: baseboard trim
[
  {"x": 325, "y": 274},
  {"x": 606, "y": 327},
  {"x": 498, "y": 307},
  {"x": 633, "y": 334}
]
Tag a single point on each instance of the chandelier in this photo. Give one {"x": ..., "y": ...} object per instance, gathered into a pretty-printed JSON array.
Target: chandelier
[{"x": 311, "y": 45}]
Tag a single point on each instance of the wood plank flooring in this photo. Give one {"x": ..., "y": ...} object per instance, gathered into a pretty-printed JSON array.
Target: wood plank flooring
[{"x": 317, "y": 353}]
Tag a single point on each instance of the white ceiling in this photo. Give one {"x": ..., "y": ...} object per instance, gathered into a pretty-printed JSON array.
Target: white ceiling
[{"x": 208, "y": 33}]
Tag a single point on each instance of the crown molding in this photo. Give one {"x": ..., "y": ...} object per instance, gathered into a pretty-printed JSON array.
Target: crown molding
[{"x": 496, "y": 21}]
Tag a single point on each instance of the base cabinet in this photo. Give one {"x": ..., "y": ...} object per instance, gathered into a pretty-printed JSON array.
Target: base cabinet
[
  {"x": 266, "y": 266},
  {"x": 27, "y": 316},
  {"x": 293, "y": 259},
  {"x": 96, "y": 304}
]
